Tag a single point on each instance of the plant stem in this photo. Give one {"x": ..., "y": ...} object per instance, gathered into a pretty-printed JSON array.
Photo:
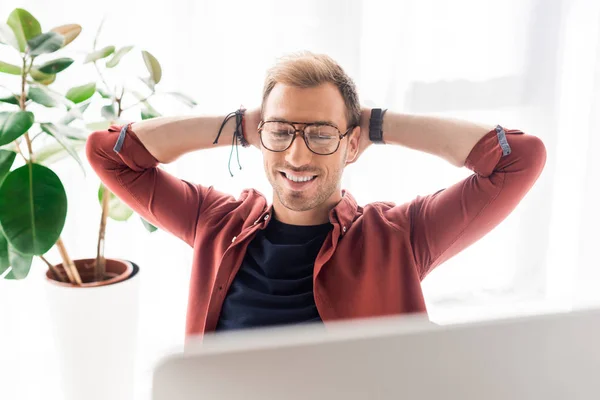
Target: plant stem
[
  {"x": 35, "y": 136},
  {"x": 103, "y": 80},
  {"x": 68, "y": 264},
  {"x": 23, "y": 81},
  {"x": 119, "y": 101},
  {"x": 29, "y": 148},
  {"x": 100, "y": 269},
  {"x": 22, "y": 100},
  {"x": 98, "y": 32},
  {"x": 20, "y": 152},
  {"x": 95, "y": 63},
  {"x": 140, "y": 102},
  {"x": 57, "y": 275}
]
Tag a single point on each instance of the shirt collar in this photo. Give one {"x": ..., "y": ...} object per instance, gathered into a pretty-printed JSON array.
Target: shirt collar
[{"x": 343, "y": 213}]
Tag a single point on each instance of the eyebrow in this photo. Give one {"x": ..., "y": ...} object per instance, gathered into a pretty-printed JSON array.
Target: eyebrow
[{"x": 319, "y": 122}]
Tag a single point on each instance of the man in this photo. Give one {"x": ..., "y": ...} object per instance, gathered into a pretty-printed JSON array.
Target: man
[{"x": 314, "y": 254}]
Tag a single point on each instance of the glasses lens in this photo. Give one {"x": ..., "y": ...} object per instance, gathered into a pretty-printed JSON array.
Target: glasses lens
[
  {"x": 277, "y": 136},
  {"x": 322, "y": 139}
]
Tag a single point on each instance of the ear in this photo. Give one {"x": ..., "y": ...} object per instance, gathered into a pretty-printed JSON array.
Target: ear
[{"x": 353, "y": 145}]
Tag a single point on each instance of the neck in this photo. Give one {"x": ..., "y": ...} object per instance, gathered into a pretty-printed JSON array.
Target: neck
[{"x": 315, "y": 216}]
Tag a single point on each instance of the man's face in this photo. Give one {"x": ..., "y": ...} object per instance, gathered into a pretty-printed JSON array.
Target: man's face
[{"x": 321, "y": 103}]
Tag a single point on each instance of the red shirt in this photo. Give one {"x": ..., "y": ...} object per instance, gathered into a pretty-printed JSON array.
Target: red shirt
[{"x": 374, "y": 259}]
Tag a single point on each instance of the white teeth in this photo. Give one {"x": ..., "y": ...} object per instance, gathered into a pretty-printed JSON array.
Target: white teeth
[{"x": 299, "y": 178}]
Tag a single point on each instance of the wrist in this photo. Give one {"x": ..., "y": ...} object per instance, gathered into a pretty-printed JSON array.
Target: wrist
[
  {"x": 376, "y": 125},
  {"x": 365, "y": 116},
  {"x": 252, "y": 119}
]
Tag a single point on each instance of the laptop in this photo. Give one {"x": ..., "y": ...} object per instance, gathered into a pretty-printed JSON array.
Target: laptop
[{"x": 552, "y": 356}]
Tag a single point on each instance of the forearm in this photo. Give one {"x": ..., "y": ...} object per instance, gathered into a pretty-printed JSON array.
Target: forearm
[
  {"x": 449, "y": 139},
  {"x": 168, "y": 138}
]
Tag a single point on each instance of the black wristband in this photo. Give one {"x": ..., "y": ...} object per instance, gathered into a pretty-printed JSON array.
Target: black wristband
[
  {"x": 376, "y": 125},
  {"x": 239, "y": 128},
  {"x": 238, "y": 133}
]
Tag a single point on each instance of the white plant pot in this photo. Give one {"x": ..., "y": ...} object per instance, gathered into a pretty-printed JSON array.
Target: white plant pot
[{"x": 95, "y": 331}]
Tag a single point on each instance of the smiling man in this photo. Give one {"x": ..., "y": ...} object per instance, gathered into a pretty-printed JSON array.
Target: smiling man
[
  {"x": 314, "y": 254},
  {"x": 306, "y": 177}
]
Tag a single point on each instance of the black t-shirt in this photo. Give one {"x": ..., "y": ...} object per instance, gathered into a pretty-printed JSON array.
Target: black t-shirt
[{"x": 274, "y": 285}]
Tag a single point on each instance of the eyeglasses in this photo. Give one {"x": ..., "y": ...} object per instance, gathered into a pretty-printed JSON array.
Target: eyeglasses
[{"x": 320, "y": 138}]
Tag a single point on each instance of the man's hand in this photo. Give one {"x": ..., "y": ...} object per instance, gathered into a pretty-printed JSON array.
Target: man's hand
[{"x": 364, "y": 140}]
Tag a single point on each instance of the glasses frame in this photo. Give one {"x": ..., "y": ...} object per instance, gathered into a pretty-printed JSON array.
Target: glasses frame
[{"x": 295, "y": 134}]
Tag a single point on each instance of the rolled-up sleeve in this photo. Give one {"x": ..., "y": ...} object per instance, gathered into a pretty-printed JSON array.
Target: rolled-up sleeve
[
  {"x": 506, "y": 164},
  {"x": 130, "y": 171}
]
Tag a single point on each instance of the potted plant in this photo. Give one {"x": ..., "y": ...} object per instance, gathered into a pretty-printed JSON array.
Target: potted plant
[{"x": 93, "y": 301}]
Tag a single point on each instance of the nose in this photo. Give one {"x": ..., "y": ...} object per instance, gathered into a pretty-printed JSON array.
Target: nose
[{"x": 298, "y": 154}]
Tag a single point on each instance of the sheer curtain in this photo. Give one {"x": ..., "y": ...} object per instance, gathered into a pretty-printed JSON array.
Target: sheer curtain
[{"x": 527, "y": 64}]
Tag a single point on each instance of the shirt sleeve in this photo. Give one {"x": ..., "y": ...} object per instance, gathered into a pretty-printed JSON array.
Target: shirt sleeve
[
  {"x": 130, "y": 171},
  {"x": 506, "y": 164}
]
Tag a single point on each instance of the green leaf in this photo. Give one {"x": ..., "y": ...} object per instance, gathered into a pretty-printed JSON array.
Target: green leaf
[
  {"x": 99, "y": 54},
  {"x": 153, "y": 66},
  {"x": 148, "y": 114},
  {"x": 33, "y": 208},
  {"x": 116, "y": 58},
  {"x": 7, "y": 158},
  {"x": 148, "y": 111},
  {"x": 56, "y": 66},
  {"x": 117, "y": 210},
  {"x": 81, "y": 93},
  {"x": 149, "y": 227},
  {"x": 7, "y": 36},
  {"x": 45, "y": 43},
  {"x": 149, "y": 82},
  {"x": 10, "y": 99},
  {"x": 24, "y": 26},
  {"x": 43, "y": 97},
  {"x": 69, "y": 132},
  {"x": 109, "y": 112},
  {"x": 74, "y": 113},
  {"x": 61, "y": 137},
  {"x": 69, "y": 32},
  {"x": 38, "y": 76},
  {"x": 4, "y": 259},
  {"x": 103, "y": 93},
  {"x": 188, "y": 101},
  {"x": 54, "y": 152},
  {"x": 13, "y": 125},
  {"x": 9, "y": 68},
  {"x": 21, "y": 264}
]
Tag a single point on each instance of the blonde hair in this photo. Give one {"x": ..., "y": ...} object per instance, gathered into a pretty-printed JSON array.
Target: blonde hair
[{"x": 308, "y": 70}]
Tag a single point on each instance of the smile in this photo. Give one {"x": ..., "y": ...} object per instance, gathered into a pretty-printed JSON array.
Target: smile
[
  {"x": 296, "y": 178},
  {"x": 298, "y": 182}
]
